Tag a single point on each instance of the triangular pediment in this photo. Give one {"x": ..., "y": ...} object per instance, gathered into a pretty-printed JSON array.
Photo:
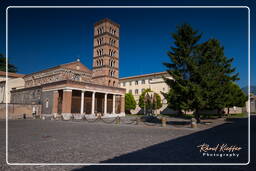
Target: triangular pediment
[{"x": 77, "y": 65}]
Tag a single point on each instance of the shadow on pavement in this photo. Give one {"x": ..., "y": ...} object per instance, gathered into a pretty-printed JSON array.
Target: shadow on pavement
[{"x": 185, "y": 150}]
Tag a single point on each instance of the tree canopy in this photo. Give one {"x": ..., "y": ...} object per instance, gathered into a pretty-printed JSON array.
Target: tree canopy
[
  {"x": 130, "y": 102},
  {"x": 11, "y": 67},
  {"x": 201, "y": 72},
  {"x": 145, "y": 101}
]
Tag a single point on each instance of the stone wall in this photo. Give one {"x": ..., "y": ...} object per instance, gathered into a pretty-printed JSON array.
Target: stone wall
[
  {"x": 16, "y": 111},
  {"x": 27, "y": 96},
  {"x": 47, "y": 102}
]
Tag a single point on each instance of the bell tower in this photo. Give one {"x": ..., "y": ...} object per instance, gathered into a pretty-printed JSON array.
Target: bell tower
[{"x": 106, "y": 53}]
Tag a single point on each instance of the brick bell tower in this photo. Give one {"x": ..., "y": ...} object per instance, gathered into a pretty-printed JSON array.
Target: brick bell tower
[{"x": 106, "y": 53}]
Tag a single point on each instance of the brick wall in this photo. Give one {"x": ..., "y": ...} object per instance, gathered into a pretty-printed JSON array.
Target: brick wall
[{"x": 16, "y": 111}]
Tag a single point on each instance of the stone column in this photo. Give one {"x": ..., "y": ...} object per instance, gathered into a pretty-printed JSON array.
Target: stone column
[
  {"x": 93, "y": 101},
  {"x": 55, "y": 103},
  {"x": 122, "y": 104},
  {"x": 114, "y": 104},
  {"x": 66, "y": 103},
  {"x": 105, "y": 103},
  {"x": 82, "y": 103}
]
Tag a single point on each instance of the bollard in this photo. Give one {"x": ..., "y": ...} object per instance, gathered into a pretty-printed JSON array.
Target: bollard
[
  {"x": 163, "y": 122},
  {"x": 193, "y": 123},
  {"x": 137, "y": 120},
  {"x": 118, "y": 120}
]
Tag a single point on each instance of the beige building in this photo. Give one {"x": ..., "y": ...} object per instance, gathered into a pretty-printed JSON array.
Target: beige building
[
  {"x": 137, "y": 84},
  {"x": 154, "y": 81},
  {"x": 15, "y": 81}
]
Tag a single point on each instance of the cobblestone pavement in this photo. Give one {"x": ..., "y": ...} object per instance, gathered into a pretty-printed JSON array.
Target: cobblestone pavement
[{"x": 32, "y": 141}]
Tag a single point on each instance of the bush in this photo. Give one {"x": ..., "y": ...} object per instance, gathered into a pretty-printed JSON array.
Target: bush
[{"x": 130, "y": 102}]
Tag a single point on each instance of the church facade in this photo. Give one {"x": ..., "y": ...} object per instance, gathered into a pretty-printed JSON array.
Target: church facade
[{"x": 72, "y": 89}]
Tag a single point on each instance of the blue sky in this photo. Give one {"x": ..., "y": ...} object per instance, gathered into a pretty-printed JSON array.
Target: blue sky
[{"x": 42, "y": 38}]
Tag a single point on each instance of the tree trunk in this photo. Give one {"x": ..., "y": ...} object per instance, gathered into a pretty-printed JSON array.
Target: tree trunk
[{"x": 197, "y": 116}]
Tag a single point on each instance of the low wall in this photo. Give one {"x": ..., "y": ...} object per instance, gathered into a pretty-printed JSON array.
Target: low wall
[
  {"x": 16, "y": 111},
  {"x": 165, "y": 110}
]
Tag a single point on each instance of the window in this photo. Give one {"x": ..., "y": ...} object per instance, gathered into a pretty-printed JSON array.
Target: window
[
  {"x": 47, "y": 103},
  {"x": 111, "y": 52},
  {"x": 130, "y": 91},
  {"x": 143, "y": 82},
  {"x": 124, "y": 84},
  {"x": 111, "y": 73},
  {"x": 142, "y": 90},
  {"x": 163, "y": 89},
  {"x": 112, "y": 63},
  {"x": 130, "y": 83},
  {"x": 136, "y": 82},
  {"x": 136, "y": 91}
]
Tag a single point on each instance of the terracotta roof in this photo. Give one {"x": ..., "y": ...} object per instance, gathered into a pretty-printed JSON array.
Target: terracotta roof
[
  {"x": 106, "y": 20},
  {"x": 11, "y": 74},
  {"x": 144, "y": 75},
  {"x": 59, "y": 66}
]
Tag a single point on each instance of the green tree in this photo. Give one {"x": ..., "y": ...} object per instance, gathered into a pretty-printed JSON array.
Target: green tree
[
  {"x": 200, "y": 72},
  {"x": 213, "y": 74},
  {"x": 130, "y": 102},
  {"x": 11, "y": 68},
  {"x": 153, "y": 102},
  {"x": 184, "y": 94},
  {"x": 234, "y": 96}
]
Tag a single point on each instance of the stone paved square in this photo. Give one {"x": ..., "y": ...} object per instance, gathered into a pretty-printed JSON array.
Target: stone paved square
[{"x": 46, "y": 141}]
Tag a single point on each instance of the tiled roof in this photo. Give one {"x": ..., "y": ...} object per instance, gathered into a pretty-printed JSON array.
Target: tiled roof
[
  {"x": 11, "y": 74},
  {"x": 144, "y": 75},
  {"x": 60, "y": 66}
]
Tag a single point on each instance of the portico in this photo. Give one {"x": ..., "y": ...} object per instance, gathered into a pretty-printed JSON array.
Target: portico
[{"x": 86, "y": 100}]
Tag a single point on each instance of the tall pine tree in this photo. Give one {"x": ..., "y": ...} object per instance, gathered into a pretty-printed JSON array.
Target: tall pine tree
[
  {"x": 201, "y": 73},
  {"x": 182, "y": 94},
  {"x": 213, "y": 74}
]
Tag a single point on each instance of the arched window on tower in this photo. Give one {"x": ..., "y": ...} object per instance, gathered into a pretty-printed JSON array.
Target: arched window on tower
[
  {"x": 109, "y": 82},
  {"x": 114, "y": 83}
]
